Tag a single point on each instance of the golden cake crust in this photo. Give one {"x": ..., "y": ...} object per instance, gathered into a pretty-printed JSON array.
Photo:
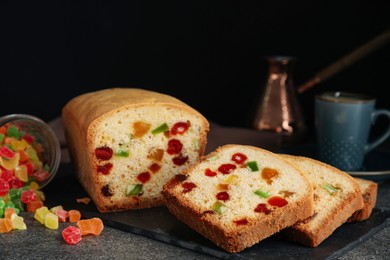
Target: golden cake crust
[
  {"x": 83, "y": 118},
  {"x": 337, "y": 196},
  {"x": 240, "y": 229}
]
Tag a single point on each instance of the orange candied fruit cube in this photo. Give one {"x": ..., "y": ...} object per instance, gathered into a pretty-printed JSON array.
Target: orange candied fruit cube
[
  {"x": 5, "y": 225},
  {"x": 92, "y": 226},
  {"x": 74, "y": 215},
  {"x": 32, "y": 206},
  {"x": 8, "y": 212}
]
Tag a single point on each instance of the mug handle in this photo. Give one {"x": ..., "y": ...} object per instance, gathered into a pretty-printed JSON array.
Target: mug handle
[{"x": 375, "y": 114}]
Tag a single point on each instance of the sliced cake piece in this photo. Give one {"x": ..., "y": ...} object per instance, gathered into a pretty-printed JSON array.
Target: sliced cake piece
[
  {"x": 369, "y": 192},
  {"x": 239, "y": 195},
  {"x": 337, "y": 196},
  {"x": 126, "y": 143}
]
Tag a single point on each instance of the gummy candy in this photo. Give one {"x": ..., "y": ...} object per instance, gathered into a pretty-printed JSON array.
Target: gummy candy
[
  {"x": 74, "y": 215},
  {"x": 41, "y": 213},
  {"x": 5, "y": 225},
  {"x": 51, "y": 220},
  {"x": 93, "y": 226},
  {"x": 72, "y": 235},
  {"x": 28, "y": 195},
  {"x": 62, "y": 215},
  {"x": 8, "y": 212},
  {"x": 18, "y": 222},
  {"x": 32, "y": 206},
  {"x": 20, "y": 159}
]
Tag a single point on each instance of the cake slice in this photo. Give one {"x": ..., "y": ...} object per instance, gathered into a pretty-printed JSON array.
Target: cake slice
[
  {"x": 239, "y": 195},
  {"x": 369, "y": 192},
  {"x": 337, "y": 196},
  {"x": 126, "y": 143}
]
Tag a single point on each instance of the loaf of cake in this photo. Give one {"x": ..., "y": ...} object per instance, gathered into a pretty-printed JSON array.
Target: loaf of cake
[
  {"x": 239, "y": 195},
  {"x": 126, "y": 143},
  {"x": 337, "y": 196},
  {"x": 369, "y": 193}
]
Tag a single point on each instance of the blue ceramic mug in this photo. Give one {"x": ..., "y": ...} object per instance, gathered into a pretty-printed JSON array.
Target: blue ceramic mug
[{"x": 343, "y": 123}]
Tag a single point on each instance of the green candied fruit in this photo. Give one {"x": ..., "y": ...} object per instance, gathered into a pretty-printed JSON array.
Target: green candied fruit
[
  {"x": 13, "y": 131},
  {"x": 134, "y": 189},
  {"x": 160, "y": 129},
  {"x": 253, "y": 166},
  {"x": 219, "y": 207},
  {"x": 122, "y": 153},
  {"x": 1, "y": 138},
  {"x": 329, "y": 188},
  {"x": 262, "y": 194},
  {"x": 17, "y": 204},
  {"x": 196, "y": 144}
]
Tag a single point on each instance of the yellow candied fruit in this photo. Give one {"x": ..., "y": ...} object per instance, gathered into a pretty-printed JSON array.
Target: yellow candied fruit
[
  {"x": 10, "y": 164},
  {"x": 21, "y": 173},
  {"x": 40, "y": 195},
  {"x": 231, "y": 179},
  {"x": 19, "y": 145},
  {"x": 18, "y": 222},
  {"x": 41, "y": 213},
  {"x": 51, "y": 221},
  {"x": 34, "y": 185}
]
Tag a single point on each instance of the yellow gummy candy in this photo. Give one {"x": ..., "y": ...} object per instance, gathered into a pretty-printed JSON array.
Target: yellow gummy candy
[
  {"x": 18, "y": 222},
  {"x": 41, "y": 213},
  {"x": 21, "y": 173},
  {"x": 51, "y": 221},
  {"x": 10, "y": 164},
  {"x": 34, "y": 185}
]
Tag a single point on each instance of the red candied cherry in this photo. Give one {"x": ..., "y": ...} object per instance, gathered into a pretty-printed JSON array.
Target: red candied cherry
[
  {"x": 104, "y": 169},
  {"x": 180, "y": 160},
  {"x": 226, "y": 168},
  {"x": 262, "y": 208},
  {"x": 143, "y": 177},
  {"x": 188, "y": 186},
  {"x": 209, "y": 173},
  {"x": 223, "y": 195},
  {"x": 103, "y": 153},
  {"x": 239, "y": 158},
  {"x": 242, "y": 221},
  {"x": 277, "y": 201},
  {"x": 174, "y": 146},
  {"x": 179, "y": 128}
]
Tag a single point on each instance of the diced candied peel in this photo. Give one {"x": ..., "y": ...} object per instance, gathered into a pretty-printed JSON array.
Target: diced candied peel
[
  {"x": 32, "y": 206},
  {"x": 51, "y": 221},
  {"x": 18, "y": 222},
  {"x": 74, "y": 215},
  {"x": 41, "y": 213},
  {"x": 5, "y": 225},
  {"x": 92, "y": 226},
  {"x": 8, "y": 212}
]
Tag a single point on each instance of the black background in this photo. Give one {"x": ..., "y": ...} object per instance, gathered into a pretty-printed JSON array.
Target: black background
[{"x": 209, "y": 54}]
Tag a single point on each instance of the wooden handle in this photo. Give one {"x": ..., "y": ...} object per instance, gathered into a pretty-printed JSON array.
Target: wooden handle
[{"x": 346, "y": 61}]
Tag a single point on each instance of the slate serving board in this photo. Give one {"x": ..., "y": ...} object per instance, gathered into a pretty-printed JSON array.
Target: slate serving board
[{"x": 159, "y": 224}]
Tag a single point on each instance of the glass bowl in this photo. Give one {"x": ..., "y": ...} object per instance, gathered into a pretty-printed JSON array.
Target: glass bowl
[{"x": 40, "y": 143}]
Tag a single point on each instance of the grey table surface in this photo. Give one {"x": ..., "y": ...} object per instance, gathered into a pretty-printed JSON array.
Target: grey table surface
[{"x": 38, "y": 242}]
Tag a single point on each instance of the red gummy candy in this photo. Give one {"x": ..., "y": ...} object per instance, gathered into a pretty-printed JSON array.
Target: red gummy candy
[
  {"x": 72, "y": 235},
  {"x": 6, "y": 153},
  {"x": 28, "y": 196},
  {"x": 4, "y": 187}
]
